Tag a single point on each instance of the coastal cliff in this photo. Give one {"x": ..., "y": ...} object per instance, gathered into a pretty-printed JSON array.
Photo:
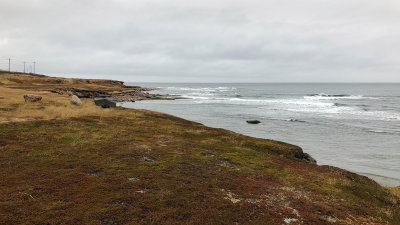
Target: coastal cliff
[{"x": 69, "y": 164}]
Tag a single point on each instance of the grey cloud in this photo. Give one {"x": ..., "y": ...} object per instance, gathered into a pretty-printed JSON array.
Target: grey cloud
[{"x": 206, "y": 41}]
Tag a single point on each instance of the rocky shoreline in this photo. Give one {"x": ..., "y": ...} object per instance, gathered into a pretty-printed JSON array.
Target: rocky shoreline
[
  {"x": 83, "y": 88},
  {"x": 136, "y": 94}
]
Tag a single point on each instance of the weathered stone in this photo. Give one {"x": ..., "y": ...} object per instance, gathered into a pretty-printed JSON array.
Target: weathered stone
[
  {"x": 299, "y": 154},
  {"x": 253, "y": 121},
  {"x": 75, "y": 100},
  {"x": 82, "y": 93},
  {"x": 148, "y": 159},
  {"x": 105, "y": 102},
  {"x": 133, "y": 179},
  {"x": 32, "y": 98}
]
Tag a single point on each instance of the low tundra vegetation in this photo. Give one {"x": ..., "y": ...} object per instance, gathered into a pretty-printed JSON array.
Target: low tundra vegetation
[{"x": 144, "y": 167}]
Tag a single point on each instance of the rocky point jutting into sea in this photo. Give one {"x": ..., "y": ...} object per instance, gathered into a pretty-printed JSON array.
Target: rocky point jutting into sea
[{"x": 64, "y": 163}]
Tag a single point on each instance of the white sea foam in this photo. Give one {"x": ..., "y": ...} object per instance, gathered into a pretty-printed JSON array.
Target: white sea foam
[
  {"x": 303, "y": 106},
  {"x": 321, "y": 104},
  {"x": 242, "y": 101},
  {"x": 324, "y": 96},
  {"x": 202, "y": 89},
  {"x": 194, "y": 97},
  {"x": 393, "y": 132}
]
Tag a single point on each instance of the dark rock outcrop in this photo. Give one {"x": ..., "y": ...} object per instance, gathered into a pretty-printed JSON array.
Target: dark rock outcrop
[
  {"x": 32, "y": 98},
  {"x": 253, "y": 121},
  {"x": 299, "y": 154},
  {"x": 105, "y": 102},
  {"x": 81, "y": 93},
  {"x": 137, "y": 94}
]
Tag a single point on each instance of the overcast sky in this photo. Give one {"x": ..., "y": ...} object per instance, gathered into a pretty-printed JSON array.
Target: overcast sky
[{"x": 205, "y": 41}]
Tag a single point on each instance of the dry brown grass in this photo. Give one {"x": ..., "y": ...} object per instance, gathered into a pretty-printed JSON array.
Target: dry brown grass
[
  {"x": 13, "y": 108},
  {"x": 13, "y": 87},
  {"x": 395, "y": 190},
  {"x": 41, "y": 82}
]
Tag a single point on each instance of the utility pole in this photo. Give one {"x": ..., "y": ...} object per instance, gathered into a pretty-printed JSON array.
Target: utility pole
[
  {"x": 9, "y": 65},
  {"x": 24, "y": 66},
  {"x": 34, "y": 67}
]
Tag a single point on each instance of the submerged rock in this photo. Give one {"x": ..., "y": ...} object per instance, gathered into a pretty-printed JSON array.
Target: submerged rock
[
  {"x": 105, "y": 102},
  {"x": 75, "y": 100},
  {"x": 253, "y": 121}
]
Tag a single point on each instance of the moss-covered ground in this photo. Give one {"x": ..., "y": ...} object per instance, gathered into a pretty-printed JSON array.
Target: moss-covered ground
[{"x": 146, "y": 167}]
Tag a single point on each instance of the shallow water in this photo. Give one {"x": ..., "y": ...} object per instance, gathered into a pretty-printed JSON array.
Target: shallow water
[{"x": 352, "y": 126}]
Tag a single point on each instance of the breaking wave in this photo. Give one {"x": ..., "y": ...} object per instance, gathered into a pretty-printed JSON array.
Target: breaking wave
[
  {"x": 322, "y": 104},
  {"x": 301, "y": 106},
  {"x": 295, "y": 120},
  {"x": 202, "y": 89},
  {"x": 323, "y": 96}
]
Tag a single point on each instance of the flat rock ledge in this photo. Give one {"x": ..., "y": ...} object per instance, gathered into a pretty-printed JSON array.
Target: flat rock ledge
[{"x": 136, "y": 94}]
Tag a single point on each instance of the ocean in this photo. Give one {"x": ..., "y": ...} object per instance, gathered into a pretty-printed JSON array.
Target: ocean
[{"x": 351, "y": 126}]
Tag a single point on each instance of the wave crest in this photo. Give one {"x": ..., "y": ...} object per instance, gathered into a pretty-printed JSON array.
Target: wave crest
[{"x": 324, "y": 96}]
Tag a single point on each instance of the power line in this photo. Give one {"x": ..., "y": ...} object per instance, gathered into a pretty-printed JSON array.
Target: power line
[{"x": 15, "y": 65}]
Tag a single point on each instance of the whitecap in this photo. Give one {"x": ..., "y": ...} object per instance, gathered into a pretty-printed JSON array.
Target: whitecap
[
  {"x": 295, "y": 120},
  {"x": 324, "y": 96}
]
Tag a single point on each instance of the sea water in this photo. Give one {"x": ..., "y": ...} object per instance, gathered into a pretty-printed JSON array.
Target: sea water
[{"x": 351, "y": 126}]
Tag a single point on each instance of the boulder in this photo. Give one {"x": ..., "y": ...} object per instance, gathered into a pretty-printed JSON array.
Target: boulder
[
  {"x": 105, "y": 102},
  {"x": 253, "y": 121},
  {"x": 299, "y": 154},
  {"x": 75, "y": 100},
  {"x": 32, "y": 98}
]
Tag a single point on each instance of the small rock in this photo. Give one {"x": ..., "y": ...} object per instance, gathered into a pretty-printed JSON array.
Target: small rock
[
  {"x": 253, "y": 121},
  {"x": 75, "y": 100},
  {"x": 32, "y": 98},
  {"x": 132, "y": 179},
  {"x": 142, "y": 191},
  {"x": 290, "y": 220},
  {"x": 231, "y": 197},
  {"x": 329, "y": 219},
  {"x": 105, "y": 102},
  {"x": 163, "y": 139},
  {"x": 92, "y": 173},
  {"x": 299, "y": 154},
  {"x": 148, "y": 159}
]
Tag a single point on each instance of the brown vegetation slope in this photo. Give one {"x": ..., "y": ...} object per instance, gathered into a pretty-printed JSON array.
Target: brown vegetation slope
[
  {"x": 140, "y": 167},
  {"x": 55, "y": 92}
]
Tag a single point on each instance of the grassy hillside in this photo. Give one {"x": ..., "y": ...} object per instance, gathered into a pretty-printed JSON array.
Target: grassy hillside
[
  {"x": 55, "y": 103},
  {"x": 125, "y": 166}
]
